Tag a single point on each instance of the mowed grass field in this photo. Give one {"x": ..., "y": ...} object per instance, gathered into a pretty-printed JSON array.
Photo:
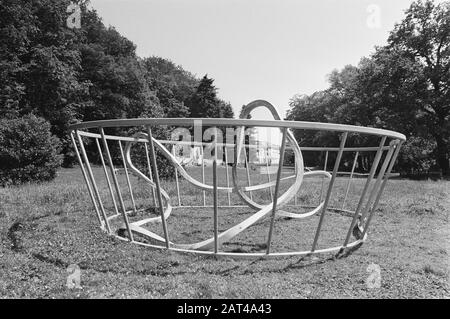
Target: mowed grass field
[{"x": 44, "y": 228}]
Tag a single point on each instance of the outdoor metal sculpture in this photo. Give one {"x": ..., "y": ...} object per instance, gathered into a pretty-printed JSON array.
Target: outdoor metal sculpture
[{"x": 137, "y": 231}]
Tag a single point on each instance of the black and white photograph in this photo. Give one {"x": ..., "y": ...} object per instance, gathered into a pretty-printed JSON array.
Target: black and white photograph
[{"x": 222, "y": 154}]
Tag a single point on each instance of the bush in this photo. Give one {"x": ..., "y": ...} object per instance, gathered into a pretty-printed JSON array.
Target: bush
[
  {"x": 28, "y": 151},
  {"x": 416, "y": 155}
]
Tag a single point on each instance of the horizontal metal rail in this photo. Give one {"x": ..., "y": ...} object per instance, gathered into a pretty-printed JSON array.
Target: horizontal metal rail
[{"x": 238, "y": 122}]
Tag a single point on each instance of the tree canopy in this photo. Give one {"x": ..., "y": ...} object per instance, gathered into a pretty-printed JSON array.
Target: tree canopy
[
  {"x": 67, "y": 75},
  {"x": 402, "y": 86},
  {"x": 205, "y": 103}
]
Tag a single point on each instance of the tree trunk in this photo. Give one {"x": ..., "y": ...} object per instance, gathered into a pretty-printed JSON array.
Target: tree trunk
[{"x": 442, "y": 155}]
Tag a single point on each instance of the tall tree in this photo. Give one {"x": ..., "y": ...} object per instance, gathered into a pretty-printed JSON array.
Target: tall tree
[
  {"x": 205, "y": 103},
  {"x": 91, "y": 73},
  {"x": 403, "y": 86},
  {"x": 424, "y": 39},
  {"x": 40, "y": 64},
  {"x": 172, "y": 84}
]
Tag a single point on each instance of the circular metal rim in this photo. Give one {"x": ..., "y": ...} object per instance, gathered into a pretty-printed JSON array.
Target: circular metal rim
[
  {"x": 238, "y": 122},
  {"x": 277, "y": 123}
]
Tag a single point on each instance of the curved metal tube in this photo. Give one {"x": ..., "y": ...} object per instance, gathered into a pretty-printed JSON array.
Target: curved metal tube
[
  {"x": 263, "y": 210},
  {"x": 299, "y": 174}
]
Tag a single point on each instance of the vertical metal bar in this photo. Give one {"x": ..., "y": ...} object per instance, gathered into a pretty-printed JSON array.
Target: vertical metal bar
[
  {"x": 203, "y": 174},
  {"x": 350, "y": 179},
  {"x": 378, "y": 182},
  {"x": 158, "y": 187},
  {"x": 107, "y": 176},
  {"x": 295, "y": 172},
  {"x": 228, "y": 175},
  {"x": 380, "y": 192},
  {"x": 127, "y": 178},
  {"x": 94, "y": 185},
  {"x": 366, "y": 187},
  {"x": 176, "y": 178},
  {"x": 268, "y": 174},
  {"x": 277, "y": 187},
  {"x": 325, "y": 169},
  {"x": 216, "y": 219},
  {"x": 215, "y": 153},
  {"x": 330, "y": 189},
  {"x": 116, "y": 184},
  {"x": 86, "y": 179},
  {"x": 248, "y": 173},
  {"x": 150, "y": 172}
]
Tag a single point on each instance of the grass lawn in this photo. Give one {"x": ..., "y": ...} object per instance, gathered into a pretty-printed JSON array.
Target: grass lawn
[{"x": 44, "y": 228}]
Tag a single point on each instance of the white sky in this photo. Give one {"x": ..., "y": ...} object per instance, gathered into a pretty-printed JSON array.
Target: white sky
[{"x": 255, "y": 49}]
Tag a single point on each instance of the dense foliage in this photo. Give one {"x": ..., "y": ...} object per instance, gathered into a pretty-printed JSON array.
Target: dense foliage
[
  {"x": 28, "y": 151},
  {"x": 403, "y": 86},
  {"x": 66, "y": 75}
]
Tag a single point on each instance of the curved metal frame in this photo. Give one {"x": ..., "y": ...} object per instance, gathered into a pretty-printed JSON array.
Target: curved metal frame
[{"x": 361, "y": 217}]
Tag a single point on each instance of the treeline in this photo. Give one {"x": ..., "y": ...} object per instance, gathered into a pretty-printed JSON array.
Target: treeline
[
  {"x": 403, "y": 86},
  {"x": 66, "y": 75}
]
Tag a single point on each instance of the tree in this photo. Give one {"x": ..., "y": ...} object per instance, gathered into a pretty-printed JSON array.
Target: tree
[
  {"x": 204, "y": 101},
  {"x": 403, "y": 86},
  {"x": 66, "y": 75},
  {"x": 424, "y": 38},
  {"x": 40, "y": 64},
  {"x": 69, "y": 75},
  {"x": 173, "y": 85}
]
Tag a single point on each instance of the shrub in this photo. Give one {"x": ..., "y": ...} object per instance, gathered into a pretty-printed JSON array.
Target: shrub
[
  {"x": 28, "y": 151},
  {"x": 415, "y": 155}
]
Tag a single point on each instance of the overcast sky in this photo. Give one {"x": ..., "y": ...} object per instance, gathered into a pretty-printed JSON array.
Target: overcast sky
[{"x": 256, "y": 49}]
